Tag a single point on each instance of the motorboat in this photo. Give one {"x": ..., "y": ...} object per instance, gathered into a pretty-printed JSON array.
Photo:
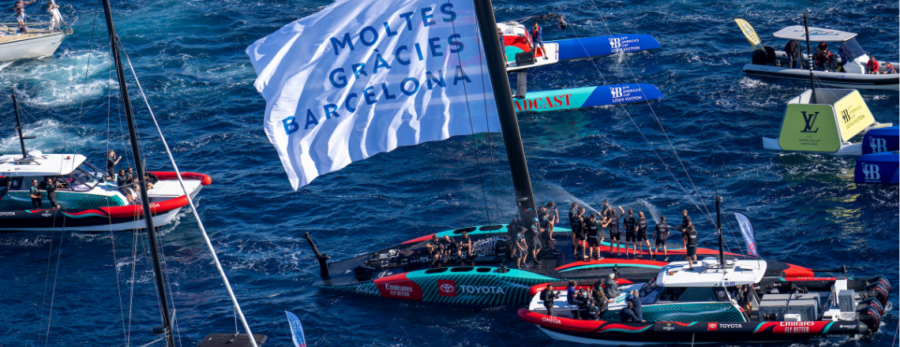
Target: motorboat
[
  {"x": 698, "y": 303},
  {"x": 520, "y": 57},
  {"x": 89, "y": 200},
  {"x": 39, "y": 41},
  {"x": 850, "y": 59}
]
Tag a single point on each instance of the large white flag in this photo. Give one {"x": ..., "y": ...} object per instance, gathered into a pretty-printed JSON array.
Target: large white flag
[{"x": 362, "y": 77}]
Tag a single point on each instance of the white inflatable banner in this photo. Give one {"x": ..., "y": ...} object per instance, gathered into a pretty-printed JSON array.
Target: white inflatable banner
[
  {"x": 362, "y": 77},
  {"x": 747, "y": 231}
]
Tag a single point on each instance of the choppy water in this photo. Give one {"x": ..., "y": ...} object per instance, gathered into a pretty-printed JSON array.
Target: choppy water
[{"x": 189, "y": 55}]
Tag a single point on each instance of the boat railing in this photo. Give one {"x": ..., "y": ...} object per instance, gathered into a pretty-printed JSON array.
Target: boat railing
[{"x": 9, "y": 26}]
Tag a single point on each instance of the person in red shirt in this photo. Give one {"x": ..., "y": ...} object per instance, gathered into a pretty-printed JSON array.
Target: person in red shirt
[
  {"x": 889, "y": 68},
  {"x": 872, "y": 65}
]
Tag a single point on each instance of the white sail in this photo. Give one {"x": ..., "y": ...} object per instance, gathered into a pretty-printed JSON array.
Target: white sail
[{"x": 363, "y": 77}]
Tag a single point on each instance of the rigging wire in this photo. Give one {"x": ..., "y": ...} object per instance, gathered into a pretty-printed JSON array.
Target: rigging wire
[
  {"x": 488, "y": 123},
  {"x": 55, "y": 277},
  {"x": 212, "y": 250},
  {"x": 472, "y": 126}
]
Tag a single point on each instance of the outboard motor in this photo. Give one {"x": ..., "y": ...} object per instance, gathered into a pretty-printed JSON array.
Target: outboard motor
[
  {"x": 871, "y": 302},
  {"x": 878, "y": 290},
  {"x": 870, "y": 317}
]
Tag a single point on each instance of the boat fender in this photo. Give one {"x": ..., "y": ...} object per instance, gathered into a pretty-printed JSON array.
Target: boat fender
[{"x": 870, "y": 317}]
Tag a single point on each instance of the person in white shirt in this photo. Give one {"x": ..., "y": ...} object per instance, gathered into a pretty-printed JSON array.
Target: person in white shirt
[{"x": 55, "y": 17}]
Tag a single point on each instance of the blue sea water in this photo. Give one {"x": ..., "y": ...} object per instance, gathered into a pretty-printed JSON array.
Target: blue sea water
[{"x": 190, "y": 58}]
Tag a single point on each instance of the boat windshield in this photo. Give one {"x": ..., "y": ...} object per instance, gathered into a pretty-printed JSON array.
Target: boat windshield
[
  {"x": 650, "y": 293},
  {"x": 87, "y": 175},
  {"x": 851, "y": 49}
]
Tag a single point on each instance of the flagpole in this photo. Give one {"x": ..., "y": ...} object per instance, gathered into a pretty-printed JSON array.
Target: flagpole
[{"x": 509, "y": 125}]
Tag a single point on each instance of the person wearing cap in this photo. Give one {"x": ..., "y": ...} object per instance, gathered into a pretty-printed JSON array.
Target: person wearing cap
[
  {"x": 520, "y": 250},
  {"x": 872, "y": 65}
]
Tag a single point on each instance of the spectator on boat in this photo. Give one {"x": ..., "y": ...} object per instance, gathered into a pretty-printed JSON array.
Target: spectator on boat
[
  {"x": 19, "y": 8},
  {"x": 685, "y": 223},
  {"x": 594, "y": 236},
  {"x": 55, "y": 17},
  {"x": 549, "y": 296},
  {"x": 50, "y": 185},
  {"x": 888, "y": 68},
  {"x": 36, "y": 194},
  {"x": 151, "y": 177},
  {"x": 872, "y": 65},
  {"x": 601, "y": 302},
  {"x": 627, "y": 313},
  {"x": 745, "y": 299},
  {"x": 570, "y": 292},
  {"x": 821, "y": 56},
  {"x": 634, "y": 298},
  {"x": 111, "y": 161},
  {"x": 844, "y": 54},
  {"x": 537, "y": 40},
  {"x": 793, "y": 51},
  {"x": 690, "y": 239},
  {"x": 660, "y": 233},
  {"x": 122, "y": 181},
  {"x": 593, "y": 312},
  {"x": 148, "y": 181},
  {"x": 611, "y": 287},
  {"x": 581, "y": 301}
]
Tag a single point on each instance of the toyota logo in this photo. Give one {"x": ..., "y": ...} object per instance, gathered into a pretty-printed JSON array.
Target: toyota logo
[{"x": 447, "y": 288}]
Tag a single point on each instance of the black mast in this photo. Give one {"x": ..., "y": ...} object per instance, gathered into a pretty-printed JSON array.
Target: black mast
[
  {"x": 509, "y": 125},
  {"x": 139, "y": 163},
  {"x": 719, "y": 229},
  {"x": 19, "y": 126},
  {"x": 812, "y": 81}
]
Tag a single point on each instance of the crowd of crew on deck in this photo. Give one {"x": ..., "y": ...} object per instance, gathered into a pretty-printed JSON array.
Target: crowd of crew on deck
[{"x": 826, "y": 60}]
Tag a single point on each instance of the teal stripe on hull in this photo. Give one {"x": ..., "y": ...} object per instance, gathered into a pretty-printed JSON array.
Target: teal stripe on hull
[{"x": 593, "y": 266}]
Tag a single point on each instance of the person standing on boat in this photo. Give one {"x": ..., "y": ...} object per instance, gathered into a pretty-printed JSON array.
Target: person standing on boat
[
  {"x": 660, "y": 233},
  {"x": 537, "y": 40},
  {"x": 548, "y": 296},
  {"x": 685, "y": 223},
  {"x": 36, "y": 194},
  {"x": 532, "y": 237},
  {"x": 50, "y": 185},
  {"x": 124, "y": 186},
  {"x": 578, "y": 233},
  {"x": 552, "y": 211},
  {"x": 628, "y": 223},
  {"x": 521, "y": 248},
  {"x": 690, "y": 239},
  {"x": 55, "y": 17},
  {"x": 594, "y": 236},
  {"x": 612, "y": 222},
  {"x": 793, "y": 51},
  {"x": 19, "y": 8},
  {"x": 111, "y": 161},
  {"x": 547, "y": 234},
  {"x": 872, "y": 65},
  {"x": 640, "y": 236}
]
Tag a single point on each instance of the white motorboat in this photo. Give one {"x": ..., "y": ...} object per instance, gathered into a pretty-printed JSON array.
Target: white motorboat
[
  {"x": 850, "y": 59},
  {"x": 37, "y": 42}
]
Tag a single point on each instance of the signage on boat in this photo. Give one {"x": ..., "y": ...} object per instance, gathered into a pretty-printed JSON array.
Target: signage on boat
[
  {"x": 446, "y": 287},
  {"x": 363, "y": 77},
  {"x": 809, "y": 128},
  {"x": 7, "y": 214},
  {"x": 712, "y": 326},
  {"x": 872, "y": 172},
  {"x": 399, "y": 287},
  {"x": 551, "y": 319},
  {"x": 855, "y": 115}
]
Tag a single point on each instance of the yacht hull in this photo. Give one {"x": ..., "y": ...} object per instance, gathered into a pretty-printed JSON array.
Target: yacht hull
[{"x": 39, "y": 46}]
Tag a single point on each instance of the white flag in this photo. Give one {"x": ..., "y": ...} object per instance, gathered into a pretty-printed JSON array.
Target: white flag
[{"x": 362, "y": 77}]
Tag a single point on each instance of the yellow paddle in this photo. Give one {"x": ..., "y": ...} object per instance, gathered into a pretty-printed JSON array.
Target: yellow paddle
[{"x": 749, "y": 33}]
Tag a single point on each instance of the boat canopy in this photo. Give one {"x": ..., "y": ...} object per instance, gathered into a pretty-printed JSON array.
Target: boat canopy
[
  {"x": 797, "y": 32},
  {"x": 707, "y": 273},
  {"x": 38, "y": 164}
]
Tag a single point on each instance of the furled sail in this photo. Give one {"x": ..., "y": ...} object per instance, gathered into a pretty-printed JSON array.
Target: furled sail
[{"x": 363, "y": 77}]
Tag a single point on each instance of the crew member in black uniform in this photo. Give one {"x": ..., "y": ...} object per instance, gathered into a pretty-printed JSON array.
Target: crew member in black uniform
[
  {"x": 552, "y": 211},
  {"x": 547, "y": 234},
  {"x": 520, "y": 252},
  {"x": 612, "y": 222},
  {"x": 690, "y": 239},
  {"x": 548, "y": 296},
  {"x": 532, "y": 236},
  {"x": 628, "y": 224},
  {"x": 512, "y": 231},
  {"x": 685, "y": 223},
  {"x": 660, "y": 233},
  {"x": 434, "y": 250},
  {"x": 573, "y": 211},
  {"x": 594, "y": 236},
  {"x": 641, "y": 235},
  {"x": 451, "y": 249},
  {"x": 576, "y": 222},
  {"x": 581, "y": 300},
  {"x": 50, "y": 185},
  {"x": 36, "y": 195}
]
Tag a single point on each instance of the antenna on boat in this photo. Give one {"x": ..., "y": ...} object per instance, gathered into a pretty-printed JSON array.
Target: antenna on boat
[
  {"x": 509, "y": 125},
  {"x": 145, "y": 200},
  {"x": 812, "y": 82},
  {"x": 19, "y": 127},
  {"x": 719, "y": 226}
]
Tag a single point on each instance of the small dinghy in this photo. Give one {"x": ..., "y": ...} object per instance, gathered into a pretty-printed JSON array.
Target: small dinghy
[
  {"x": 847, "y": 69},
  {"x": 706, "y": 305}
]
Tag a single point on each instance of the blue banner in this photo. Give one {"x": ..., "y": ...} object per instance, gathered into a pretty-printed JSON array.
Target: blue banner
[
  {"x": 881, "y": 140},
  {"x": 747, "y": 231},
  {"x": 296, "y": 329},
  {"x": 605, "y": 45}
]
